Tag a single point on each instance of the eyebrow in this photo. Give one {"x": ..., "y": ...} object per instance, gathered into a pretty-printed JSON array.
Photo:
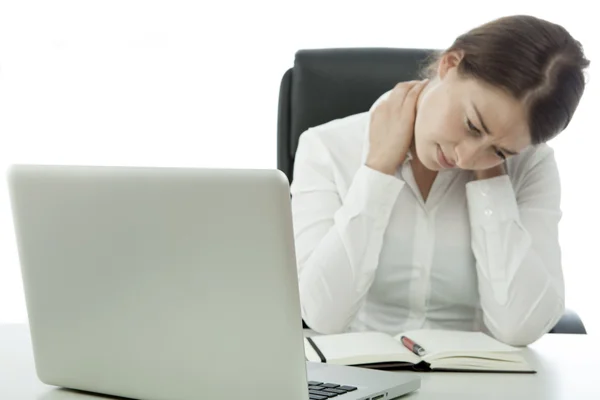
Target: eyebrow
[{"x": 485, "y": 128}]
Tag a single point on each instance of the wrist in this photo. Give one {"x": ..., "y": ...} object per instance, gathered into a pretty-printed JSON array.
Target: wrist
[
  {"x": 383, "y": 166},
  {"x": 489, "y": 173}
]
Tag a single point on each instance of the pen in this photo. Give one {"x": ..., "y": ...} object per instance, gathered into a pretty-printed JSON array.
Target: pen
[{"x": 412, "y": 346}]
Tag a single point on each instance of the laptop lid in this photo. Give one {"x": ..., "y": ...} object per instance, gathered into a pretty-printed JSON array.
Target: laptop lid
[{"x": 160, "y": 283}]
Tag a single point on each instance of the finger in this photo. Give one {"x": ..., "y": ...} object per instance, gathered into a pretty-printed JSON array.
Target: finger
[
  {"x": 400, "y": 91},
  {"x": 396, "y": 98},
  {"x": 404, "y": 91},
  {"x": 413, "y": 94},
  {"x": 409, "y": 107}
]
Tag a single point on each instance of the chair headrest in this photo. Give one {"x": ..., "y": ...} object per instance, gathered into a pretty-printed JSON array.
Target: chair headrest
[{"x": 328, "y": 84}]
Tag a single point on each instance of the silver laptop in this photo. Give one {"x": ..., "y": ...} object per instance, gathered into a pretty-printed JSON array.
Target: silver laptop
[{"x": 170, "y": 284}]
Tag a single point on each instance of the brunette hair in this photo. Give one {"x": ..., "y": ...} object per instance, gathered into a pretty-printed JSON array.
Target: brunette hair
[{"x": 536, "y": 61}]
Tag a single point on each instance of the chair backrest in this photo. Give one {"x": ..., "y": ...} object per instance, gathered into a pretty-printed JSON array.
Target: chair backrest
[{"x": 328, "y": 84}]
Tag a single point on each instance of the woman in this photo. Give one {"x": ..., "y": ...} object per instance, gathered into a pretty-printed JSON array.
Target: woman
[{"x": 439, "y": 208}]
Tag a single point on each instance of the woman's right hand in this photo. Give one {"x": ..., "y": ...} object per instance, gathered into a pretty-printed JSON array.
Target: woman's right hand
[{"x": 391, "y": 129}]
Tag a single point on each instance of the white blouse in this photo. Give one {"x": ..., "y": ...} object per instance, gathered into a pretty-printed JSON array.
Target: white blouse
[{"x": 372, "y": 255}]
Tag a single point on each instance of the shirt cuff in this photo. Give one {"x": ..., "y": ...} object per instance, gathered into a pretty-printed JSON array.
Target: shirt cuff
[
  {"x": 372, "y": 193},
  {"x": 491, "y": 201}
]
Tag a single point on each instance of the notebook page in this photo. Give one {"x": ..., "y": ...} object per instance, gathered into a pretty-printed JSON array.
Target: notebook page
[
  {"x": 357, "y": 346},
  {"x": 438, "y": 341}
]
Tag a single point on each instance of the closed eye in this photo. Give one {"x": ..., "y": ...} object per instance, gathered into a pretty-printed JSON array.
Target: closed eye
[
  {"x": 477, "y": 133},
  {"x": 472, "y": 128}
]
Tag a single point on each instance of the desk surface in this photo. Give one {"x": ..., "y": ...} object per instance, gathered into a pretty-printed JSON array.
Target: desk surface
[{"x": 567, "y": 365}]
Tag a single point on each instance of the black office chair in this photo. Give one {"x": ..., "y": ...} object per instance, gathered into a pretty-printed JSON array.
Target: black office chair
[{"x": 327, "y": 84}]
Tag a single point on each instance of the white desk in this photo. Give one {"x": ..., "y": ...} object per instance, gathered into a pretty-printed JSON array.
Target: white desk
[{"x": 564, "y": 372}]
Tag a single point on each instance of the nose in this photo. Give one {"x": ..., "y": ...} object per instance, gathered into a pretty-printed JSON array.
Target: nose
[{"x": 466, "y": 154}]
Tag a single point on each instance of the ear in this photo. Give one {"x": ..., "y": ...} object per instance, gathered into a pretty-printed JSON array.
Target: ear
[{"x": 448, "y": 61}]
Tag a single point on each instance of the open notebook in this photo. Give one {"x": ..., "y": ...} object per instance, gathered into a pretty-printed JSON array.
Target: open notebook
[{"x": 444, "y": 351}]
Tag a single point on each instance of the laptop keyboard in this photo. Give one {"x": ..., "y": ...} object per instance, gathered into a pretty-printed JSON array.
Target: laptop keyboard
[{"x": 322, "y": 390}]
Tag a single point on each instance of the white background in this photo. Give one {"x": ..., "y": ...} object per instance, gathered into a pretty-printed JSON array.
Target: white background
[{"x": 171, "y": 83}]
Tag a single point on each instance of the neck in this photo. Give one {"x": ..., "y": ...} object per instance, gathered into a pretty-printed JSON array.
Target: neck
[
  {"x": 422, "y": 95},
  {"x": 415, "y": 158}
]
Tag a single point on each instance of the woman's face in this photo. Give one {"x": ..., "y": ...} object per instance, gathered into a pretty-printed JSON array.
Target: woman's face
[{"x": 467, "y": 124}]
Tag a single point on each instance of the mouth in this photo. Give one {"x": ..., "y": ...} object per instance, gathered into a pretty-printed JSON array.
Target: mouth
[{"x": 442, "y": 160}]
